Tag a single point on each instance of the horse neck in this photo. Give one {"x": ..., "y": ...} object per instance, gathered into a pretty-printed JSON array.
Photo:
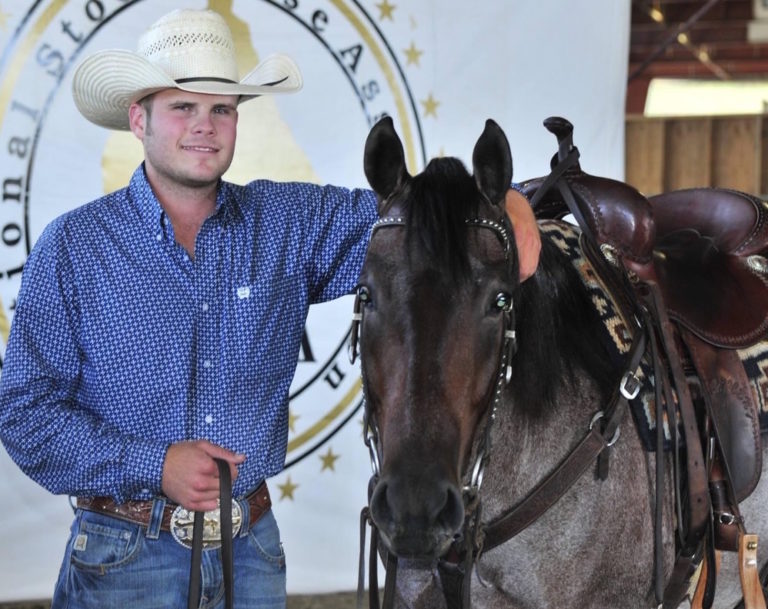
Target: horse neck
[{"x": 561, "y": 375}]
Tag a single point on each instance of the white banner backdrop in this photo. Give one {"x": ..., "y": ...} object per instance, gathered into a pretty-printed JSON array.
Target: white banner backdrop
[{"x": 438, "y": 67}]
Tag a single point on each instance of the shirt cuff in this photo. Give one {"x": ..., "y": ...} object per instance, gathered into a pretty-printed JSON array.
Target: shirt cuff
[{"x": 142, "y": 470}]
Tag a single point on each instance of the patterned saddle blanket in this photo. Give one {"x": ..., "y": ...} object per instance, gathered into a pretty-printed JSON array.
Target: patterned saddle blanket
[{"x": 619, "y": 338}]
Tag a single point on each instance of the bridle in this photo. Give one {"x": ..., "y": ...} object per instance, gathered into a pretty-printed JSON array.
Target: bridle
[
  {"x": 455, "y": 568},
  {"x": 509, "y": 348},
  {"x": 468, "y": 543}
]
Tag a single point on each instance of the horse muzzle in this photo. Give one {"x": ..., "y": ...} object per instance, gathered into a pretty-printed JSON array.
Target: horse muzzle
[{"x": 417, "y": 518}]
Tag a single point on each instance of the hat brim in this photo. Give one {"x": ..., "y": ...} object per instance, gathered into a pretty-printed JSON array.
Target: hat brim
[{"x": 106, "y": 84}]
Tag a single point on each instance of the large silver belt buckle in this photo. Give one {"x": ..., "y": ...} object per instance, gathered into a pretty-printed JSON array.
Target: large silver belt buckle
[{"x": 183, "y": 522}]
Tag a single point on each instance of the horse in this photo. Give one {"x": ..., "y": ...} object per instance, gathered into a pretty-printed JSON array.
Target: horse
[{"x": 478, "y": 388}]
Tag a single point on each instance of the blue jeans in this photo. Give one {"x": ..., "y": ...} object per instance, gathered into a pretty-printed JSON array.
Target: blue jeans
[{"x": 111, "y": 563}]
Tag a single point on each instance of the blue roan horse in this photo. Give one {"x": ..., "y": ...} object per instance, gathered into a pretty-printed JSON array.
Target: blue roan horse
[{"x": 478, "y": 388}]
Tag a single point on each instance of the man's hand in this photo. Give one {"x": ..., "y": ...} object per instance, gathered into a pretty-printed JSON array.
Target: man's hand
[
  {"x": 526, "y": 230},
  {"x": 191, "y": 476}
]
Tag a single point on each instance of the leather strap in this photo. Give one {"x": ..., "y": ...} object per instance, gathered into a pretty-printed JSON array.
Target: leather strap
[
  {"x": 698, "y": 485},
  {"x": 547, "y": 493},
  {"x": 734, "y": 413},
  {"x": 750, "y": 582},
  {"x": 225, "y": 510},
  {"x": 556, "y": 484}
]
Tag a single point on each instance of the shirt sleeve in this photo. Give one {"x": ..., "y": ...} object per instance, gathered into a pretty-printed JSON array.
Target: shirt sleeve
[
  {"x": 47, "y": 425},
  {"x": 339, "y": 228}
]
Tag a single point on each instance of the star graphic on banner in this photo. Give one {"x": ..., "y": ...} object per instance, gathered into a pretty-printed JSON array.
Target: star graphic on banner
[
  {"x": 430, "y": 106},
  {"x": 286, "y": 489},
  {"x": 329, "y": 461},
  {"x": 385, "y": 10},
  {"x": 292, "y": 418},
  {"x": 413, "y": 54}
]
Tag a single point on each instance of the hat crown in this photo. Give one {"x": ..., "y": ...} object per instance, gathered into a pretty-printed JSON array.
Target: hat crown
[{"x": 191, "y": 44}]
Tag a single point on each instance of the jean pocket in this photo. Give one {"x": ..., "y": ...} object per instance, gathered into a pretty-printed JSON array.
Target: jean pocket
[
  {"x": 264, "y": 536},
  {"x": 102, "y": 543}
]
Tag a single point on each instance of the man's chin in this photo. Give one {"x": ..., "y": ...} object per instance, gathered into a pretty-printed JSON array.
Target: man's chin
[{"x": 202, "y": 178}]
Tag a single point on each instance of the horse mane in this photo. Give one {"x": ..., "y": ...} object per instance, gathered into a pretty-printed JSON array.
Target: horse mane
[{"x": 558, "y": 335}]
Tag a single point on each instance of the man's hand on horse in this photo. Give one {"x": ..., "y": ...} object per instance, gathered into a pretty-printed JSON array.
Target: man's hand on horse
[
  {"x": 191, "y": 476},
  {"x": 526, "y": 230}
]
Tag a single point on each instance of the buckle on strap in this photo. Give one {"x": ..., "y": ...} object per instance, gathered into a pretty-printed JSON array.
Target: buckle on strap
[
  {"x": 630, "y": 386},
  {"x": 183, "y": 521}
]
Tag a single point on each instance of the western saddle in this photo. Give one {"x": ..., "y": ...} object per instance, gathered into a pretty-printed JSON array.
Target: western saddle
[{"x": 690, "y": 267}]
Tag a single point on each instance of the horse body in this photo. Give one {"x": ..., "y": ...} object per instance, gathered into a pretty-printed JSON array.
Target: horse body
[{"x": 434, "y": 356}]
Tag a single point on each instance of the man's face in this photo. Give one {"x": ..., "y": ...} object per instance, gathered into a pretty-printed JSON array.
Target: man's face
[{"x": 189, "y": 138}]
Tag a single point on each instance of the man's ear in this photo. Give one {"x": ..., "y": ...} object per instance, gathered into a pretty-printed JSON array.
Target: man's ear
[{"x": 137, "y": 117}]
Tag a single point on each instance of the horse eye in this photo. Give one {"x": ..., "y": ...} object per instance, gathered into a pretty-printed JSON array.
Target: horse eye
[
  {"x": 503, "y": 301},
  {"x": 364, "y": 294}
]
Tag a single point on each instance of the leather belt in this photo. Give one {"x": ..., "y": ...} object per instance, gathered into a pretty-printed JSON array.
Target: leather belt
[{"x": 140, "y": 512}]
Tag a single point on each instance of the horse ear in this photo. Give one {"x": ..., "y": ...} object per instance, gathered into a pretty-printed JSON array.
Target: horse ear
[
  {"x": 492, "y": 162},
  {"x": 384, "y": 159}
]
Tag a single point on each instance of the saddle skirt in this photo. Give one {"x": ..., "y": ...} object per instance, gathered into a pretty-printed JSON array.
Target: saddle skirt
[{"x": 618, "y": 339}]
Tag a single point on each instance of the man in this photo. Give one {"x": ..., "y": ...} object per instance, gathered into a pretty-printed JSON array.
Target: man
[{"x": 210, "y": 282}]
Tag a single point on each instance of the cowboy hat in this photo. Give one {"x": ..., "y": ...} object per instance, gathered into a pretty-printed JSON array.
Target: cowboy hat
[{"x": 191, "y": 50}]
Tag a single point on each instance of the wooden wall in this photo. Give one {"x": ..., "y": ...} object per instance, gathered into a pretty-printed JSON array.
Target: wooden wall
[{"x": 665, "y": 154}]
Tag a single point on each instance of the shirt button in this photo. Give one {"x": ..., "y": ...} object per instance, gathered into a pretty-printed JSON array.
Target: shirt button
[
  {"x": 159, "y": 236},
  {"x": 207, "y": 363},
  {"x": 205, "y": 307},
  {"x": 208, "y": 419}
]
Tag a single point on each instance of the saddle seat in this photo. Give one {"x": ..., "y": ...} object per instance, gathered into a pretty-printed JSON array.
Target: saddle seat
[
  {"x": 710, "y": 264},
  {"x": 705, "y": 247}
]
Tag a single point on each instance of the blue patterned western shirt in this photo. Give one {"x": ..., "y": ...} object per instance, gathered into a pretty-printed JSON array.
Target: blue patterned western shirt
[{"x": 121, "y": 344}]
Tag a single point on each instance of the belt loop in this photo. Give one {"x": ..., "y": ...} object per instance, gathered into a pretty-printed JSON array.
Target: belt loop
[
  {"x": 245, "y": 508},
  {"x": 156, "y": 518}
]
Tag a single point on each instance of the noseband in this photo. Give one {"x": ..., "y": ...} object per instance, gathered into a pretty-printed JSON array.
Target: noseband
[{"x": 466, "y": 544}]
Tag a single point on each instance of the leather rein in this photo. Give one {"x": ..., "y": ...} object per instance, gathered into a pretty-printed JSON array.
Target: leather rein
[
  {"x": 225, "y": 509},
  {"x": 456, "y": 566}
]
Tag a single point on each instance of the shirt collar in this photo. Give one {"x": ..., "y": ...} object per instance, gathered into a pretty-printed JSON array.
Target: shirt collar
[{"x": 155, "y": 219}]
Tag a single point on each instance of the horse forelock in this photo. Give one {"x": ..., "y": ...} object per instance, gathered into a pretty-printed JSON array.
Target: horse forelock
[{"x": 436, "y": 204}]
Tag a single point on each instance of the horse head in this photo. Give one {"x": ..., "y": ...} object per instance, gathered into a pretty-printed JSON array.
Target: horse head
[{"x": 436, "y": 333}]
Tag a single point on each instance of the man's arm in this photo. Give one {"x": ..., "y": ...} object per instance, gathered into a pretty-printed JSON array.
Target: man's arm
[
  {"x": 54, "y": 438},
  {"x": 526, "y": 229}
]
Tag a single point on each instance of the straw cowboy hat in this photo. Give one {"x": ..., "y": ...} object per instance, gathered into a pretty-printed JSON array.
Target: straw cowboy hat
[{"x": 191, "y": 50}]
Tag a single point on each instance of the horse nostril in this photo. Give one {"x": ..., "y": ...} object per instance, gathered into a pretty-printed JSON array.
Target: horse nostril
[
  {"x": 452, "y": 514},
  {"x": 381, "y": 512}
]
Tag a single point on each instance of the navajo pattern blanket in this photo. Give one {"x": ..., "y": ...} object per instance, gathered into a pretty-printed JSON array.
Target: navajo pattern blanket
[{"x": 618, "y": 338}]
